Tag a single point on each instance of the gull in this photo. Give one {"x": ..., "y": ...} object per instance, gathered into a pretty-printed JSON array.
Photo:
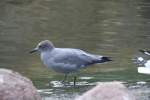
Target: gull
[
  {"x": 145, "y": 69},
  {"x": 142, "y": 62},
  {"x": 66, "y": 60}
]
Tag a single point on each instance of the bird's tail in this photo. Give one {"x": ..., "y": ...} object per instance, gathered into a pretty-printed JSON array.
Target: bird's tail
[
  {"x": 145, "y": 52},
  {"x": 100, "y": 60},
  {"x": 105, "y": 59}
]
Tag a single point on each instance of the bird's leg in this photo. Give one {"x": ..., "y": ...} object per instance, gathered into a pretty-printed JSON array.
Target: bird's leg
[
  {"x": 65, "y": 77},
  {"x": 74, "y": 81}
]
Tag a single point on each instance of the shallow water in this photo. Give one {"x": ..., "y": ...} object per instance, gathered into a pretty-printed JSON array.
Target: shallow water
[{"x": 115, "y": 28}]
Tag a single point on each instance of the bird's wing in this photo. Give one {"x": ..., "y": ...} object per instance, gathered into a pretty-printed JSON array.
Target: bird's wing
[{"x": 75, "y": 57}]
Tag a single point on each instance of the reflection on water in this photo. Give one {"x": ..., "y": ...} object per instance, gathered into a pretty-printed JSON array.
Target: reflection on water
[
  {"x": 70, "y": 84},
  {"x": 116, "y": 28},
  {"x": 85, "y": 78},
  {"x": 68, "y": 90}
]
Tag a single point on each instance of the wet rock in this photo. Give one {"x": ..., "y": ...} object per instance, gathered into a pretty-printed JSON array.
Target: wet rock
[
  {"x": 107, "y": 91},
  {"x": 13, "y": 86}
]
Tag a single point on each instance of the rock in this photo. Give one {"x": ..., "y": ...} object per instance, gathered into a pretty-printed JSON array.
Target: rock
[
  {"x": 14, "y": 86},
  {"x": 107, "y": 91}
]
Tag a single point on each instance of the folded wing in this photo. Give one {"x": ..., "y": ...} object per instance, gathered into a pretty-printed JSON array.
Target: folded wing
[{"x": 79, "y": 58}]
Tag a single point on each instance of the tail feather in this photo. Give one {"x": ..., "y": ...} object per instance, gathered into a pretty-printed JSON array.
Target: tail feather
[
  {"x": 101, "y": 60},
  {"x": 105, "y": 59}
]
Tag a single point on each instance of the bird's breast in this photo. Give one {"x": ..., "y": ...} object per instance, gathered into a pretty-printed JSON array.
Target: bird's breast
[
  {"x": 49, "y": 61},
  {"x": 46, "y": 59}
]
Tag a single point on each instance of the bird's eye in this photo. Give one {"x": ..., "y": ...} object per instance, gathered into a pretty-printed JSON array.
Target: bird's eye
[{"x": 40, "y": 46}]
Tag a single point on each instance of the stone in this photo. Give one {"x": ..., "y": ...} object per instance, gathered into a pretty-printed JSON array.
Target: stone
[
  {"x": 14, "y": 86},
  {"x": 107, "y": 91}
]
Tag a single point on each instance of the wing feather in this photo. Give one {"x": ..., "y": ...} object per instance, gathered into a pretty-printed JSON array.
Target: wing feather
[{"x": 78, "y": 58}]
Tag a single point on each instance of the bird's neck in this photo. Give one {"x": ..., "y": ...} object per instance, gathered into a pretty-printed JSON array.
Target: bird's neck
[{"x": 45, "y": 55}]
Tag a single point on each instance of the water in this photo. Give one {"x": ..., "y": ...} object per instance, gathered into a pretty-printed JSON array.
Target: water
[{"x": 116, "y": 28}]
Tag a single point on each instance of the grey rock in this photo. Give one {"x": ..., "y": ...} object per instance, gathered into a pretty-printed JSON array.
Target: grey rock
[
  {"x": 107, "y": 91},
  {"x": 14, "y": 86}
]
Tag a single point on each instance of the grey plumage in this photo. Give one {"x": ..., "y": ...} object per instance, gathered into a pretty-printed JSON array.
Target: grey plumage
[{"x": 66, "y": 60}]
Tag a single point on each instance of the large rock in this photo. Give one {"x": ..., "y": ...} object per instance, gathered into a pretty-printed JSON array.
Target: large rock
[
  {"x": 107, "y": 91},
  {"x": 13, "y": 86}
]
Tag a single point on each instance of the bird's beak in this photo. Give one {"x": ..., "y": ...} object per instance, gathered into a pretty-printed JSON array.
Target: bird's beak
[{"x": 34, "y": 50}]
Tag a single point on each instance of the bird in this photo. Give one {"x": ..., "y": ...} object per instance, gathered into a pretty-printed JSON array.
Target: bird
[
  {"x": 66, "y": 60},
  {"x": 145, "y": 52},
  {"x": 142, "y": 62},
  {"x": 145, "y": 69}
]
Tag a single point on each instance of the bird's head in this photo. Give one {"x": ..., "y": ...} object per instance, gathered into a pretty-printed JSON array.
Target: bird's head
[{"x": 43, "y": 46}]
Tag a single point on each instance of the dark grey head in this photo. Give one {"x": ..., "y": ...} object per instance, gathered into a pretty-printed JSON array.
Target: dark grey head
[{"x": 45, "y": 45}]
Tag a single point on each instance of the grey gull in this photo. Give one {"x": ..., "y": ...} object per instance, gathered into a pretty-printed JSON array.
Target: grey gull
[{"x": 66, "y": 60}]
